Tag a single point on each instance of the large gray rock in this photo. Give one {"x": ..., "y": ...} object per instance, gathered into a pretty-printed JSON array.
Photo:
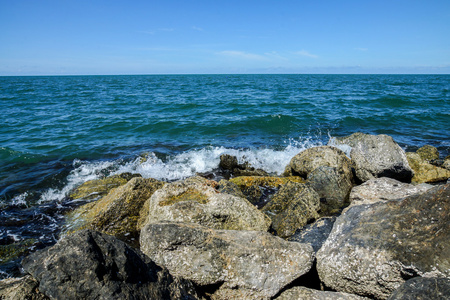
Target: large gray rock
[
  {"x": 421, "y": 288},
  {"x": 20, "y": 288},
  {"x": 376, "y": 156},
  {"x": 374, "y": 248},
  {"x": 93, "y": 265},
  {"x": 292, "y": 207},
  {"x": 194, "y": 200},
  {"x": 383, "y": 189},
  {"x": 246, "y": 264},
  {"x": 303, "y": 293},
  {"x": 315, "y": 233}
]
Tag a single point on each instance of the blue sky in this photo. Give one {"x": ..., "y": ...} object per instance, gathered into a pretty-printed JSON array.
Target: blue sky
[{"x": 193, "y": 36}]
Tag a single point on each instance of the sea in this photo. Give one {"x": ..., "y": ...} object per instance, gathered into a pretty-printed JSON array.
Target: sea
[{"x": 57, "y": 132}]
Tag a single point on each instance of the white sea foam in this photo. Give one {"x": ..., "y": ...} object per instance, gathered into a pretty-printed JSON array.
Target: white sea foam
[
  {"x": 20, "y": 200},
  {"x": 179, "y": 166}
]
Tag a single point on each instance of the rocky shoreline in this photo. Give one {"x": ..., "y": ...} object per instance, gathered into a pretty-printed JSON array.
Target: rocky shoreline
[{"x": 357, "y": 219}]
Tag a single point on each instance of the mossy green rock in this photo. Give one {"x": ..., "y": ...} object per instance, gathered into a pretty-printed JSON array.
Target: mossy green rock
[
  {"x": 118, "y": 212},
  {"x": 292, "y": 207},
  {"x": 428, "y": 153},
  {"x": 195, "y": 200},
  {"x": 424, "y": 171},
  {"x": 97, "y": 188},
  {"x": 14, "y": 250}
]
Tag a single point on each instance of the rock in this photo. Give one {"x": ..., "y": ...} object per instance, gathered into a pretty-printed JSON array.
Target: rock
[
  {"x": 20, "y": 288},
  {"x": 230, "y": 164},
  {"x": 332, "y": 186},
  {"x": 446, "y": 164},
  {"x": 259, "y": 189},
  {"x": 303, "y": 293},
  {"x": 292, "y": 207},
  {"x": 377, "y": 156},
  {"x": 308, "y": 160},
  {"x": 421, "y": 288},
  {"x": 383, "y": 189},
  {"x": 118, "y": 212},
  {"x": 314, "y": 234},
  {"x": 424, "y": 171},
  {"x": 97, "y": 188},
  {"x": 93, "y": 265},
  {"x": 374, "y": 248},
  {"x": 246, "y": 264},
  {"x": 194, "y": 200},
  {"x": 228, "y": 187},
  {"x": 428, "y": 153}
]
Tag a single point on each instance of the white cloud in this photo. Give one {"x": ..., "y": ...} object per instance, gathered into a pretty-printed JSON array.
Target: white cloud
[
  {"x": 197, "y": 28},
  {"x": 242, "y": 55},
  {"x": 306, "y": 53}
]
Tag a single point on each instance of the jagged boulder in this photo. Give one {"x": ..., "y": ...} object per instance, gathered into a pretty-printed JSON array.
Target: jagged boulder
[
  {"x": 374, "y": 248},
  {"x": 428, "y": 153},
  {"x": 93, "y": 265},
  {"x": 421, "y": 288},
  {"x": 383, "y": 189},
  {"x": 292, "y": 207},
  {"x": 424, "y": 171},
  {"x": 229, "y": 164},
  {"x": 21, "y": 288},
  {"x": 118, "y": 212},
  {"x": 242, "y": 264},
  {"x": 304, "y": 293},
  {"x": 376, "y": 156},
  {"x": 194, "y": 200},
  {"x": 315, "y": 233}
]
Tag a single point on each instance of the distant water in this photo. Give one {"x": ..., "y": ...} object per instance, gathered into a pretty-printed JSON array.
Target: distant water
[{"x": 57, "y": 132}]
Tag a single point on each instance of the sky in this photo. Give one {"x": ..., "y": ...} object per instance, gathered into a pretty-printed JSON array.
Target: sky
[{"x": 67, "y": 37}]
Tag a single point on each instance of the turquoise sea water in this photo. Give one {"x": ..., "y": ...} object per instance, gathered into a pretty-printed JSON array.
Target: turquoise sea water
[{"x": 60, "y": 131}]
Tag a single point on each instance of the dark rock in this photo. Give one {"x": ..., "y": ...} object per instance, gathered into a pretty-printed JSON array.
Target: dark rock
[
  {"x": 374, "y": 248},
  {"x": 230, "y": 164},
  {"x": 421, "y": 288},
  {"x": 314, "y": 234},
  {"x": 93, "y": 265},
  {"x": 303, "y": 293},
  {"x": 376, "y": 156},
  {"x": 228, "y": 187},
  {"x": 20, "y": 288},
  {"x": 246, "y": 264},
  {"x": 292, "y": 207}
]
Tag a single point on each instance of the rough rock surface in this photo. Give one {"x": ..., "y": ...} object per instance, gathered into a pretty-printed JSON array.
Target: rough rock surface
[
  {"x": 93, "y": 265},
  {"x": 383, "y": 189},
  {"x": 97, "y": 188},
  {"x": 428, "y": 152},
  {"x": 308, "y": 160},
  {"x": 303, "y": 293},
  {"x": 118, "y": 212},
  {"x": 292, "y": 207},
  {"x": 424, "y": 171},
  {"x": 332, "y": 186},
  {"x": 314, "y": 234},
  {"x": 194, "y": 201},
  {"x": 259, "y": 189},
  {"x": 377, "y": 156},
  {"x": 246, "y": 264},
  {"x": 229, "y": 163},
  {"x": 228, "y": 187},
  {"x": 20, "y": 288},
  {"x": 422, "y": 288},
  {"x": 374, "y": 248}
]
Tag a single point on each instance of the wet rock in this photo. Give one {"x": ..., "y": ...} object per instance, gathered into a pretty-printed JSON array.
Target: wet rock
[
  {"x": 383, "y": 189},
  {"x": 118, "y": 212},
  {"x": 194, "y": 200},
  {"x": 421, "y": 288},
  {"x": 428, "y": 153},
  {"x": 374, "y": 248},
  {"x": 332, "y": 186},
  {"x": 97, "y": 188},
  {"x": 292, "y": 207},
  {"x": 93, "y": 265},
  {"x": 259, "y": 189},
  {"x": 377, "y": 156},
  {"x": 303, "y": 293},
  {"x": 21, "y": 288},
  {"x": 308, "y": 160},
  {"x": 424, "y": 171},
  {"x": 230, "y": 164},
  {"x": 314, "y": 234},
  {"x": 245, "y": 264}
]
